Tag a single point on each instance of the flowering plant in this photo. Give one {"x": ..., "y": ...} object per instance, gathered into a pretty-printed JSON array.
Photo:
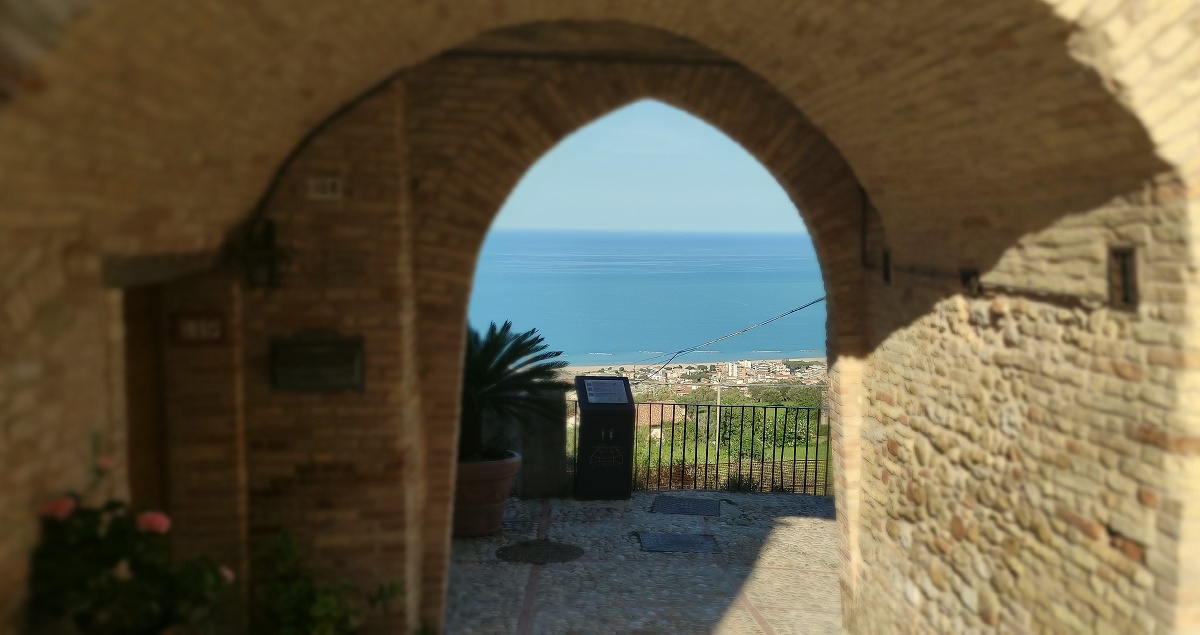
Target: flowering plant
[{"x": 107, "y": 571}]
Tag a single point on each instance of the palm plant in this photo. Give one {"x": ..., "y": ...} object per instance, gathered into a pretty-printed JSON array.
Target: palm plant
[{"x": 506, "y": 375}]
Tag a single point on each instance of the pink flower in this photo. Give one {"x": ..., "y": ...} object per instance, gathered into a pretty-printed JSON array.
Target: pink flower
[
  {"x": 153, "y": 522},
  {"x": 105, "y": 464},
  {"x": 59, "y": 508},
  {"x": 227, "y": 575}
]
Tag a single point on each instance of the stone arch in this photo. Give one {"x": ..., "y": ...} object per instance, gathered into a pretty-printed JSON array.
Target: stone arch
[{"x": 462, "y": 186}]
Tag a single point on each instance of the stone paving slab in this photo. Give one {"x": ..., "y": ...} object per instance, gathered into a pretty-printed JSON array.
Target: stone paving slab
[
  {"x": 778, "y": 570},
  {"x": 678, "y": 543}
]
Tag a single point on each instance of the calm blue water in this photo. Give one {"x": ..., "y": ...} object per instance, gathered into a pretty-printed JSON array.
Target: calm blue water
[{"x": 619, "y": 298}]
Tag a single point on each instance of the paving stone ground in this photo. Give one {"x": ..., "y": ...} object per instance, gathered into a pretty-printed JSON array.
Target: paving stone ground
[{"x": 776, "y": 573}]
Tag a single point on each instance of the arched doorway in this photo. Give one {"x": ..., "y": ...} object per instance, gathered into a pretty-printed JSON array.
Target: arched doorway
[
  {"x": 644, "y": 229},
  {"x": 461, "y": 187}
]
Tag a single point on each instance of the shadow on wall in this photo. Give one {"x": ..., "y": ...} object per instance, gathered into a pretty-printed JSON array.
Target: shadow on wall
[{"x": 777, "y": 559}]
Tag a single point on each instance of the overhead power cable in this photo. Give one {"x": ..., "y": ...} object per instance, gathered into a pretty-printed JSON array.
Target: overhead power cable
[{"x": 725, "y": 337}]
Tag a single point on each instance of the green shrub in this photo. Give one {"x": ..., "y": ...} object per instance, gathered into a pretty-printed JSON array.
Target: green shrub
[
  {"x": 289, "y": 601},
  {"x": 741, "y": 483}
]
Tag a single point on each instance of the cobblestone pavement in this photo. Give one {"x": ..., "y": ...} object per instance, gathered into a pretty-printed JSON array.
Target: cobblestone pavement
[{"x": 776, "y": 573}]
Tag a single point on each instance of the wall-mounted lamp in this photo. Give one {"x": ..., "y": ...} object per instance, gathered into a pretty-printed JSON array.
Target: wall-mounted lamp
[{"x": 262, "y": 259}]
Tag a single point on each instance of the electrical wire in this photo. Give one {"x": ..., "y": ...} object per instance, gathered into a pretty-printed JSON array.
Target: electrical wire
[{"x": 724, "y": 337}]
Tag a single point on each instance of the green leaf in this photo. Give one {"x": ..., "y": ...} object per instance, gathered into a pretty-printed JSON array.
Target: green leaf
[{"x": 505, "y": 374}]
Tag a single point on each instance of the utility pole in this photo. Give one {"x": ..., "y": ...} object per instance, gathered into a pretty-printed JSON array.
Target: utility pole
[{"x": 720, "y": 384}]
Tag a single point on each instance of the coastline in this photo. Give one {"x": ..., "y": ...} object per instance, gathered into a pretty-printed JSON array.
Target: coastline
[{"x": 586, "y": 369}]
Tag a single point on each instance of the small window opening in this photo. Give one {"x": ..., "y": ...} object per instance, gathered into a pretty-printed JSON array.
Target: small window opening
[
  {"x": 969, "y": 277},
  {"x": 887, "y": 267},
  {"x": 1122, "y": 277}
]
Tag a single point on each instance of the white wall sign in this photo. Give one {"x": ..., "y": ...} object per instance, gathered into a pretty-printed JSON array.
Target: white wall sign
[{"x": 605, "y": 391}]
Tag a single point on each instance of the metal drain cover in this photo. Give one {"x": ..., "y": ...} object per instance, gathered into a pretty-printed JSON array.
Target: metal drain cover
[
  {"x": 682, "y": 543},
  {"x": 689, "y": 506},
  {"x": 538, "y": 552}
]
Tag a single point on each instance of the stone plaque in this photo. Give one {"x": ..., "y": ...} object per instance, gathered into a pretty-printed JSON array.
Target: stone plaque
[
  {"x": 317, "y": 361},
  {"x": 198, "y": 327},
  {"x": 680, "y": 543}
]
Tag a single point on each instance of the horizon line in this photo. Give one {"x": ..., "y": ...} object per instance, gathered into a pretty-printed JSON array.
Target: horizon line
[{"x": 605, "y": 230}]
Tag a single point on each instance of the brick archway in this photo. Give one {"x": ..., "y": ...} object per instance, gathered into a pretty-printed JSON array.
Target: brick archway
[{"x": 464, "y": 180}]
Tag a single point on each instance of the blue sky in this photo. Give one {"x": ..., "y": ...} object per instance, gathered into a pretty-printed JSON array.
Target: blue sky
[{"x": 649, "y": 167}]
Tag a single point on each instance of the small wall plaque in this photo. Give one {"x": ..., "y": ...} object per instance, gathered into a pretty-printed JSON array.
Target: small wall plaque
[
  {"x": 324, "y": 187},
  {"x": 198, "y": 327},
  {"x": 317, "y": 361}
]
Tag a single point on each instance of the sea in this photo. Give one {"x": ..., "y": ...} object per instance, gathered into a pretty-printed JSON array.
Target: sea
[{"x": 606, "y": 298}]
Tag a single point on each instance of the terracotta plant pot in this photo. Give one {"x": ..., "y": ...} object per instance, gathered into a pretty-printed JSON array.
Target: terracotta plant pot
[{"x": 481, "y": 493}]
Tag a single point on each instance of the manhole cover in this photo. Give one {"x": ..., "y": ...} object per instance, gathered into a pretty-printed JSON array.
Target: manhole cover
[
  {"x": 689, "y": 506},
  {"x": 684, "y": 543},
  {"x": 538, "y": 552}
]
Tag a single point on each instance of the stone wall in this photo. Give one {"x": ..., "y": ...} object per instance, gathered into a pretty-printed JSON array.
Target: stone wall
[
  {"x": 60, "y": 341},
  {"x": 1015, "y": 138},
  {"x": 1023, "y": 451}
]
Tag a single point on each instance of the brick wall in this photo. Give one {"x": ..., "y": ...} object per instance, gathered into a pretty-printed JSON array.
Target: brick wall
[
  {"x": 204, "y": 429},
  {"x": 337, "y": 469}
]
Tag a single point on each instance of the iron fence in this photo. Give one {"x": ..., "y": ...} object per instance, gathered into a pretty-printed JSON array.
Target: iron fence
[{"x": 746, "y": 448}]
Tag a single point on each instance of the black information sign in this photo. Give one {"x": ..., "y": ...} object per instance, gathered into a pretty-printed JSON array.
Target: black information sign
[
  {"x": 317, "y": 361},
  {"x": 605, "y": 461}
]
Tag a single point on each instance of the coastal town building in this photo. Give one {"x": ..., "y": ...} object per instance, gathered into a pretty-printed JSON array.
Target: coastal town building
[{"x": 745, "y": 372}]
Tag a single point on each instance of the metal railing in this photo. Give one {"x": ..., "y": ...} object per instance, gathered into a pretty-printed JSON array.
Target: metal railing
[{"x": 745, "y": 448}]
